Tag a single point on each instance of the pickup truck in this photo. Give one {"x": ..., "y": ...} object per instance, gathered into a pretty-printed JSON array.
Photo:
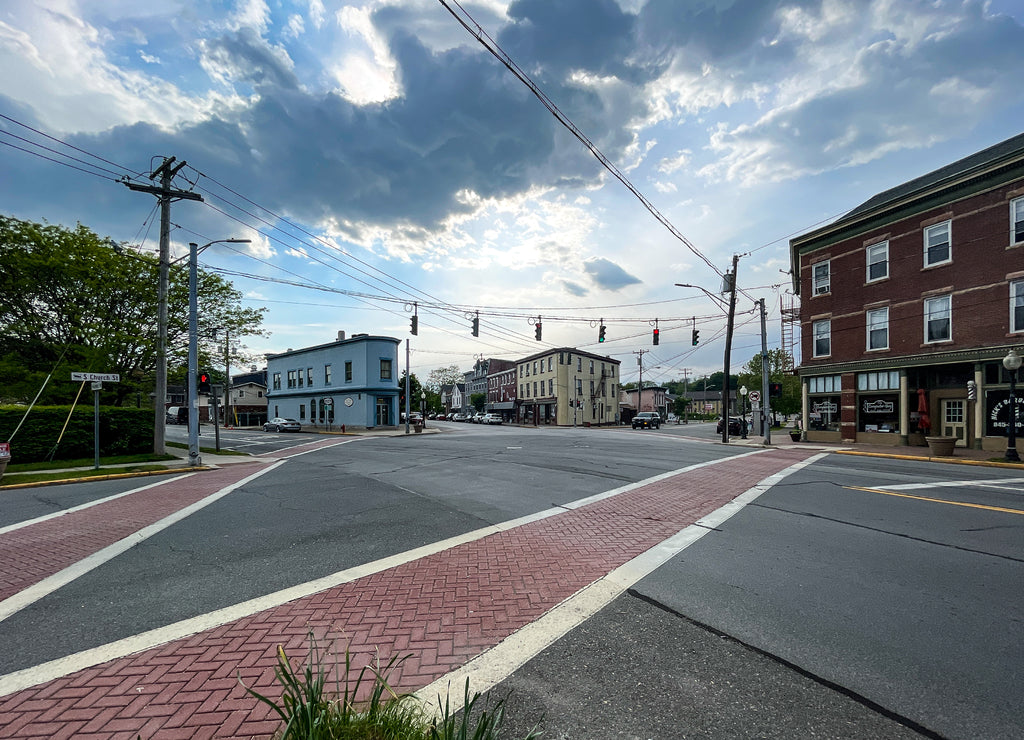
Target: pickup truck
[{"x": 647, "y": 420}]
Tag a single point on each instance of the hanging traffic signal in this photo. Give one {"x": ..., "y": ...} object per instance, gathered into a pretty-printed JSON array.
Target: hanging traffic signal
[
  {"x": 656, "y": 337},
  {"x": 696, "y": 337},
  {"x": 600, "y": 333},
  {"x": 775, "y": 390},
  {"x": 414, "y": 325},
  {"x": 476, "y": 326},
  {"x": 204, "y": 382},
  {"x": 537, "y": 330}
]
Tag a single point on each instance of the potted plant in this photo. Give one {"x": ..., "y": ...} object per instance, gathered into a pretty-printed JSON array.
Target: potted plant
[
  {"x": 941, "y": 446},
  {"x": 795, "y": 432}
]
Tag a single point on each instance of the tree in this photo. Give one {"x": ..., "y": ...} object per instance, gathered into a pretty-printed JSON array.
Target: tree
[
  {"x": 478, "y": 400},
  {"x": 415, "y": 389},
  {"x": 444, "y": 376},
  {"x": 778, "y": 363},
  {"x": 70, "y": 302}
]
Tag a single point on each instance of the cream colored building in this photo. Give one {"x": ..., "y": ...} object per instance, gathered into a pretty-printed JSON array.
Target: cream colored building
[{"x": 567, "y": 387}]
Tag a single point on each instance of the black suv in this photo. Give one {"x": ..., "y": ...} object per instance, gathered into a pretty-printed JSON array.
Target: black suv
[
  {"x": 646, "y": 420},
  {"x": 735, "y": 425}
]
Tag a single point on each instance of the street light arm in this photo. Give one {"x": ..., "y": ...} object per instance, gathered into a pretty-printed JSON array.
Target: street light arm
[
  {"x": 721, "y": 301},
  {"x": 208, "y": 244}
]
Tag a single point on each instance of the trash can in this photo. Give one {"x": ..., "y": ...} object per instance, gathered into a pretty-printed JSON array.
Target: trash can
[
  {"x": 5, "y": 457},
  {"x": 418, "y": 426}
]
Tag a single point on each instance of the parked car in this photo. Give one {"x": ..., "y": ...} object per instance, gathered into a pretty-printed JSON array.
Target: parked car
[
  {"x": 672, "y": 419},
  {"x": 281, "y": 424},
  {"x": 491, "y": 419},
  {"x": 647, "y": 420},
  {"x": 735, "y": 425},
  {"x": 177, "y": 415},
  {"x": 461, "y": 417}
]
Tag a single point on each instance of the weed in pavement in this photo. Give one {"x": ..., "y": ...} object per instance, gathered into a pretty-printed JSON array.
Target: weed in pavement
[{"x": 309, "y": 712}]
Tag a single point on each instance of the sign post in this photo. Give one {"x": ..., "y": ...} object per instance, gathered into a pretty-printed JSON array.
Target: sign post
[{"x": 96, "y": 379}]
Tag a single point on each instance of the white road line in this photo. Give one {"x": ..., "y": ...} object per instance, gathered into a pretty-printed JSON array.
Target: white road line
[
  {"x": 495, "y": 665},
  {"x": 50, "y": 584},
  {"x": 97, "y": 502},
  {"x": 35, "y": 675},
  {"x": 1001, "y": 483}
]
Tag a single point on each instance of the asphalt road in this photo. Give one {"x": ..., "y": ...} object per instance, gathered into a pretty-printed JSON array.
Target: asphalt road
[
  {"x": 818, "y": 611},
  {"x": 882, "y": 616}
]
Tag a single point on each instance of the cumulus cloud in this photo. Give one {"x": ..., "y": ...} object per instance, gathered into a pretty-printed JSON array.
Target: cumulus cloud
[{"x": 607, "y": 275}]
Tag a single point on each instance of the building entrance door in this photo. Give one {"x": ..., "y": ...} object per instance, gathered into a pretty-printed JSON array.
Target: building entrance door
[
  {"x": 954, "y": 420},
  {"x": 383, "y": 417}
]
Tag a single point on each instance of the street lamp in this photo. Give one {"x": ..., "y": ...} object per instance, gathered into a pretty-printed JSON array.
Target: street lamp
[
  {"x": 423, "y": 408},
  {"x": 1012, "y": 363},
  {"x": 193, "y": 344},
  {"x": 743, "y": 411}
]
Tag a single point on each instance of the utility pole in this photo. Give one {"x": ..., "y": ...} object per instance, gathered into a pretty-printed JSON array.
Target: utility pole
[
  {"x": 728, "y": 349},
  {"x": 406, "y": 385},
  {"x": 227, "y": 377},
  {"x": 166, "y": 172},
  {"x": 766, "y": 425},
  {"x": 640, "y": 389},
  {"x": 686, "y": 394}
]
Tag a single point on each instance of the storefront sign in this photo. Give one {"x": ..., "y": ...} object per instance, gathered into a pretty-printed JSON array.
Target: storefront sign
[
  {"x": 878, "y": 407},
  {"x": 997, "y": 413},
  {"x": 824, "y": 407}
]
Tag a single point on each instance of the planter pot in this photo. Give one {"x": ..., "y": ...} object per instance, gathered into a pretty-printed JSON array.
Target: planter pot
[
  {"x": 941, "y": 446},
  {"x": 795, "y": 435}
]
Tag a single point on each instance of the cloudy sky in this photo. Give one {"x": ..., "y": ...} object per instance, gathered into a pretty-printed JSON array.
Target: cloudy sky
[{"x": 377, "y": 154}]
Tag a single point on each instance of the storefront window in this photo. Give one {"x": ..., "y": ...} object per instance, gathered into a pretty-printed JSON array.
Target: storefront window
[
  {"x": 878, "y": 413},
  {"x": 823, "y": 413}
]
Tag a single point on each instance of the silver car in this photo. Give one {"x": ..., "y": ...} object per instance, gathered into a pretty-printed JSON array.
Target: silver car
[{"x": 280, "y": 424}]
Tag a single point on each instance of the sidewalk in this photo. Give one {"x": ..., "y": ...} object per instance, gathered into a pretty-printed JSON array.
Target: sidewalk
[{"x": 445, "y": 604}]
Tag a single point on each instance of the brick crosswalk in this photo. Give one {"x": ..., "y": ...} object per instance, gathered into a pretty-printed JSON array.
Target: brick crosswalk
[{"x": 443, "y": 610}]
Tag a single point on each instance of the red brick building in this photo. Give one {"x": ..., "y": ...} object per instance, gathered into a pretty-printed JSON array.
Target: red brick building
[{"x": 909, "y": 303}]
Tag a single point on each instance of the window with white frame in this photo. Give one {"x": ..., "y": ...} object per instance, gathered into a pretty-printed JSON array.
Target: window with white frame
[
  {"x": 277, "y": 382},
  {"x": 878, "y": 328},
  {"x": 292, "y": 379},
  {"x": 327, "y": 374},
  {"x": 822, "y": 333},
  {"x": 937, "y": 319},
  {"x": 822, "y": 278},
  {"x": 937, "y": 242},
  {"x": 885, "y": 380},
  {"x": 1017, "y": 306},
  {"x": 825, "y": 384},
  {"x": 385, "y": 369},
  {"x": 1017, "y": 221},
  {"x": 878, "y": 261}
]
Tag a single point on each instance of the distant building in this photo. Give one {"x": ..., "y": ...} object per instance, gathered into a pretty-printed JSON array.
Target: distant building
[
  {"x": 351, "y": 382},
  {"x": 567, "y": 387}
]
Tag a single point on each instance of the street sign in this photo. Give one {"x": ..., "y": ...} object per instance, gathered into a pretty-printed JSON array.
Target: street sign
[
  {"x": 755, "y": 396},
  {"x": 708, "y": 406},
  {"x": 97, "y": 385},
  {"x": 102, "y": 377}
]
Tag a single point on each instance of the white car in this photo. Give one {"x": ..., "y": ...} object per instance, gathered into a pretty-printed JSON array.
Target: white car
[{"x": 491, "y": 419}]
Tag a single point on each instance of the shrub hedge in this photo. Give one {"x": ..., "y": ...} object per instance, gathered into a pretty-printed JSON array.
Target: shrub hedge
[{"x": 123, "y": 431}]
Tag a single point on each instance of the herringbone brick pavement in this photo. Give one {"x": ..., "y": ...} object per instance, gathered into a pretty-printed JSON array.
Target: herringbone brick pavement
[
  {"x": 32, "y": 553},
  {"x": 443, "y": 610}
]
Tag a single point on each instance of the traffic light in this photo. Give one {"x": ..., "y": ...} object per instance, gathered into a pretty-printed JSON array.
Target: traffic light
[
  {"x": 537, "y": 330},
  {"x": 600, "y": 333},
  {"x": 476, "y": 326},
  {"x": 696, "y": 337},
  {"x": 204, "y": 382},
  {"x": 657, "y": 336},
  {"x": 775, "y": 390},
  {"x": 414, "y": 325}
]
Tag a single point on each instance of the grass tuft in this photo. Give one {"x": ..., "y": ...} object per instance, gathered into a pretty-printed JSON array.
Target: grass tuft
[{"x": 363, "y": 706}]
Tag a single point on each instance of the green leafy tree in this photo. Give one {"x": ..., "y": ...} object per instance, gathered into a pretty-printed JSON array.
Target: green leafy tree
[
  {"x": 478, "y": 400},
  {"x": 778, "y": 363},
  {"x": 70, "y": 301}
]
